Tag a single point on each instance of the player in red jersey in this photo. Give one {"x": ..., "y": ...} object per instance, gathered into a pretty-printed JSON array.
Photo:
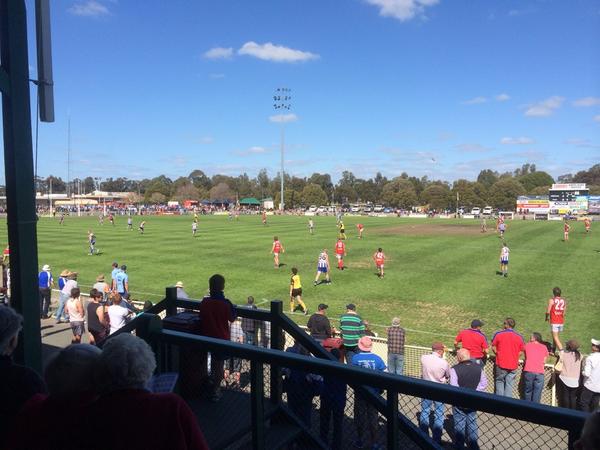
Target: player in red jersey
[
  {"x": 276, "y": 250},
  {"x": 340, "y": 252},
  {"x": 555, "y": 314},
  {"x": 360, "y": 228},
  {"x": 379, "y": 258},
  {"x": 588, "y": 224},
  {"x": 566, "y": 231}
]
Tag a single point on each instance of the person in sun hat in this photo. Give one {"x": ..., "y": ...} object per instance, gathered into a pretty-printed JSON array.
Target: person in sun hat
[
  {"x": 365, "y": 414},
  {"x": 45, "y": 284},
  {"x": 590, "y": 393},
  {"x": 102, "y": 286},
  {"x": 180, "y": 291}
]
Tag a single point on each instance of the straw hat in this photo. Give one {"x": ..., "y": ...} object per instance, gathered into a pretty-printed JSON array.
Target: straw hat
[
  {"x": 179, "y": 284},
  {"x": 72, "y": 275},
  {"x": 65, "y": 273},
  {"x": 100, "y": 277}
]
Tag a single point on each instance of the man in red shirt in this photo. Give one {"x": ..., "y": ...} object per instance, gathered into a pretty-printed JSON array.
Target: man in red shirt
[
  {"x": 507, "y": 345},
  {"x": 216, "y": 312},
  {"x": 473, "y": 340},
  {"x": 555, "y": 314},
  {"x": 276, "y": 249},
  {"x": 533, "y": 372},
  {"x": 340, "y": 252}
]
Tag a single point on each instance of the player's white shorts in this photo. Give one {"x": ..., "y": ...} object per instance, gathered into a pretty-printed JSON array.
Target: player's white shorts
[
  {"x": 338, "y": 256},
  {"x": 557, "y": 327}
]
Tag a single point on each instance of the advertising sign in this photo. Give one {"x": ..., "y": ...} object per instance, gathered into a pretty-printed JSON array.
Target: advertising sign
[{"x": 594, "y": 204}]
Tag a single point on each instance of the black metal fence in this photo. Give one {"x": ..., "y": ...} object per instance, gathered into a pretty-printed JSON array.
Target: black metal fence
[{"x": 271, "y": 398}]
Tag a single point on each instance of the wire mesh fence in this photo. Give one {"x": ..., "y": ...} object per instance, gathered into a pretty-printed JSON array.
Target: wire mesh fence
[{"x": 412, "y": 368}]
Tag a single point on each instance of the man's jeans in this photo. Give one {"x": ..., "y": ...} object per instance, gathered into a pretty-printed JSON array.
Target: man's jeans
[
  {"x": 438, "y": 418},
  {"x": 504, "y": 381},
  {"x": 395, "y": 363},
  {"x": 61, "y": 312},
  {"x": 465, "y": 427},
  {"x": 534, "y": 383},
  {"x": 250, "y": 337}
]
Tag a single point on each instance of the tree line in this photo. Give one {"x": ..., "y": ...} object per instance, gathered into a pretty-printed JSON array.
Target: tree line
[{"x": 491, "y": 188}]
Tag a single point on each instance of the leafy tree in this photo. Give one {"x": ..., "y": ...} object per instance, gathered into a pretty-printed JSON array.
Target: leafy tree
[
  {"x": 504, "y": 193},
  {"x": 88, "y": 185},
  {"x": 262, "y": 184},
  {"x": 399, "y": 193},
  {"x": 291, "y": 197},
  {"x": 157, "y": 197},
  {"x": 345, "y": 194},
  {"x": 525, "y": 169},
  {"x": 186, "y": 192},
  {"x": 313, "y": 194},
  {"x": 437, "y": 196},
  {"x": 199, "y": 179},
  {"x": 566, "y": 178},
  {"x": 368, "y": 190},
  {"x": 487, "y": 177},
  {"x": 468, "y": 196},
  {"x": 590, "y": 176},
  {"x": 57, "y": 184},
  {"x": 323, "y": 180},
  {"x": 535, "y": 179},
  {"x": 221, "y": 191}
]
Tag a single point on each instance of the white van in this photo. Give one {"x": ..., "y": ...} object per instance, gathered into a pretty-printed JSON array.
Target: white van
[
  {"x": 487, "y": 211},
  {"x": 378, "y": 208},
  {"x": 476, "y": 211}
]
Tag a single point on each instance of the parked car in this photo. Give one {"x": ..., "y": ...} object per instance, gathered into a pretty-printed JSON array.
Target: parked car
[
  {"x": 476, "y": 211},
  {"x": 378, "y": 208},
  {"x": 322, "y": 209},
  {"x": 312, "y": 208},
  {"x": 367, "y": 209},
  {"x": 487, "y": 211},
  {"x": 388, "y": 210},
  {"x": 355, "y": 209}
]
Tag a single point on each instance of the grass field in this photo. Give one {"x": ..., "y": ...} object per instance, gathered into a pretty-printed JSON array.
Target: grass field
[{"x": 440, "y": 273}]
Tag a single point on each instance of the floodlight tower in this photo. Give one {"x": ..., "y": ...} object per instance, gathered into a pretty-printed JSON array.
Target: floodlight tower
[{"x": 281, "y": 103}]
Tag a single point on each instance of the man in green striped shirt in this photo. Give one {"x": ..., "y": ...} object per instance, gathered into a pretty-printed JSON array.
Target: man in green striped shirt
[{"x": 352, "y": 329}]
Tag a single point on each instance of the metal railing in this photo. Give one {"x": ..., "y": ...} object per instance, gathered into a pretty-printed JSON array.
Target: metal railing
[{"x": 503, "y": 422}]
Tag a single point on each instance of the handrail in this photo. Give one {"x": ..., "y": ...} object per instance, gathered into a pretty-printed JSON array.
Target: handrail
[{"x": 561, "y": 418}]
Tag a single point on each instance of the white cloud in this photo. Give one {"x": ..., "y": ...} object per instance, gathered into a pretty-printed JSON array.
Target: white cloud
[
  {"x": 89, "y": 8},
  {"x": 284, "y": 118},
  {"x": 475, "y": 101},
  {"x": 587, "y": 101},
  {"x": 502, "y": 97},
  {"x": 216, "y": 76},
  {"x": 403, "y": 10},
  {"x": 522, "y": 140},
  {"x": 219, "y": 53},
  {"x": 545, "y": 107},
  {"x": 582, "y": 143},
  {"x": 276, "y": 53},
  {"x": 597, "y": 118},
  {"x": 255, "y": 150},
  {"x": 206, "y": 140},
  {"x": 473, "y": 148}
]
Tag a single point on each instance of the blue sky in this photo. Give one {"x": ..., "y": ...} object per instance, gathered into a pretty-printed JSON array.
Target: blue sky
[{"x": 442, "y": 88}]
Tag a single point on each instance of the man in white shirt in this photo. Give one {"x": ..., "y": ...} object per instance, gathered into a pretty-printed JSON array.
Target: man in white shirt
[
  {"x": 65, "y": 293},
  {"x": 590, "y": 393},
  {"x": 436, "y": 369},
  {"x": 117, "y": 313}
]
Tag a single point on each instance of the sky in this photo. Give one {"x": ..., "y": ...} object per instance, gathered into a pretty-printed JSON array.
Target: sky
[{"x": 442, "y": 88}]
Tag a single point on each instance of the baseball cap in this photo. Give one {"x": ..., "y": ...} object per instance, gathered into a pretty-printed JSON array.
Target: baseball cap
[
  {"x": 365, "y": 344},
  {"x": 437, "y": 346},
  {"x": 596, "y": 342},
  {"x": 476, "y": 323},
  {"x": 45, "y": 267},
  {"x": 322, "y": 306},
  {"x": 351, "y": 306}
]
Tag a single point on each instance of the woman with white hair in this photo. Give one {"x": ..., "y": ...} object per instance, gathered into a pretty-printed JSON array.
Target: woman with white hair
[
  {"x": 18, "y": 383},
  {"x": 70, "y": 378},
  {"x": 124, "y": 370}
]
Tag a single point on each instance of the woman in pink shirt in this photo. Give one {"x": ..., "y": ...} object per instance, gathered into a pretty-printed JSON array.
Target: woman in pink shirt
[{"x": 535, "y": 357}]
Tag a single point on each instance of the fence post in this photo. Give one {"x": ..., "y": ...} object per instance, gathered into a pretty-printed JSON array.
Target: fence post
[
  {"x": 391, "y": 412},
  {"x": 257, "y": 394},
  {"x": 171, "y": 296},
  {"x": 277, "y": 343}
]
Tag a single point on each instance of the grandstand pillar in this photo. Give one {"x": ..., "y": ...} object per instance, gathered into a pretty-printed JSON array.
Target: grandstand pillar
[
  {"x": 20, "y": 192},
  {"x": 257, "y": 394},
  {"x": 171, "y": 296},
  {"x": 277, "y": 343},
  {"x": 391, "y": 409}
]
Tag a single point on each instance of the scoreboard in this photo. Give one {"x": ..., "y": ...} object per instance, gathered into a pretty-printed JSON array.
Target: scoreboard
[{"x": 568, "y": 198}]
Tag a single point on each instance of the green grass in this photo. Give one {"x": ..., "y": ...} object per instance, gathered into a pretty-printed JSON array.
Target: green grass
[{"x": 440, "y": 274}]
